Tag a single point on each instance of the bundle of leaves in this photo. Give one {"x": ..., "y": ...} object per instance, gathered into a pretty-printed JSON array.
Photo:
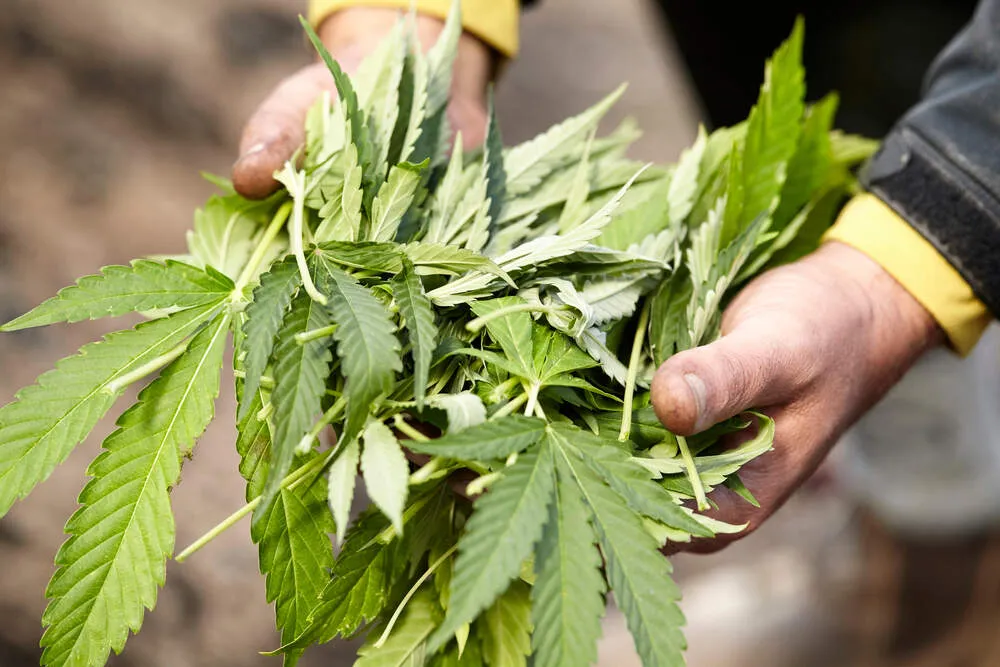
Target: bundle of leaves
[{"x": 514, "y": 303}]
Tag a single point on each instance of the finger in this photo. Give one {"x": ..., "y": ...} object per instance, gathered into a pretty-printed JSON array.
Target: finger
[
  {"x": 276, "y": 130},
  {"x": 751, "y": 367}
]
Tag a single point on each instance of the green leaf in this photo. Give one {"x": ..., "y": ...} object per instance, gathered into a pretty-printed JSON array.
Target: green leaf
[
  {"x": 440, "y": 259},
  {"x": 294, "y": 536},
  {"x": 507, "y": 626},
  {"x": 223, "y": 233},
  {"x": 432, "y": 142},
  {"x": 358, "y": 588},
  {"x": 667, "y": 318},
  {"x": 394, "y": 199},
  {"x": 342, "y": 477},
  {"x": 377, "y": 82},
  {"x": 118, "y": 290},
  {"x": 527, "y": 164},
  {"x": 347, "y": 96},
  {"x": 568, "y": 596},
  {"x": 295, "y": 554},
  {"x": 366, "y": 345},
  {"x": 493, "y": 166},
  {"x": 406, "y": 645},
  {"x": 110, "y": 567},
  {"x": 441, "y": 223},
  {"x": 300, "y": 372},
  {"x": 491, "y": 440},
  {"x": 684, "y": 183},
  {"x": 810, "y": 166},
  {"x": 412, "y": 102},
  {"x": 494, "y": 188},
  {"x": 575, "y": 210},
  {"x": 418, "y": 318},
  {"x": 638, "y": 573},
  {"x": 341, "y": 213},
  {"x": 253, "y": 443},
  {"x": 386, "y": 471},
  {"x": 773, "y": 131},
  {"x": 48, "y": 419},
  {"x": 464, "y": 410},
  {"x": 499, "y": 536},
  {"x": 511, "y": 331},
  {"x": 630, "y": 480},
  {"x": 264, "y": 315},
  {"x": 364, "y": 255},
  {"x": 556, "y": 354},
  {"x": 649, "y": 216}
]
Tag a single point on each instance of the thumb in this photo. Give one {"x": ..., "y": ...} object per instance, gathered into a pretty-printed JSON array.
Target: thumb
[
  {"x": 751, "y": 367},
  {"x": 276, "y": 130}
]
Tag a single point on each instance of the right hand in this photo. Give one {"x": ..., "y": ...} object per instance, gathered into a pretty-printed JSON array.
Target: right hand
[
  {"x": 276, "y": 129},
  {"x": 814, "y": 344}
]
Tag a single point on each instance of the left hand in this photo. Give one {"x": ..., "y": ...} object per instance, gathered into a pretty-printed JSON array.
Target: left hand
[
  {"x": 814, "y": 344},
  {"x": 277, "y": 128}
]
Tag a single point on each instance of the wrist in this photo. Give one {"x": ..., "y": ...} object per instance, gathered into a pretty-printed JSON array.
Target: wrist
[{"x": 899, "y": 329}]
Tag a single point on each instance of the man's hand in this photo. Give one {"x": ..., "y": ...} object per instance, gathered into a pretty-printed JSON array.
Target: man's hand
[
  {"x": 814, "y": 344},
  {"x": 276, "y": 129}
]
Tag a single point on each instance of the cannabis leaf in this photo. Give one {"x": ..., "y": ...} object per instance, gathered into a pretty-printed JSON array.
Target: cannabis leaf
[
  {"x": 773, "y": 131},
  {"x": 406, "y": 646},
  {"x": 295, "y": 554},
  {"x": 638, "y": 573},
  {"x": 393, "y": 200},
  {"x": 47, "y": 420},
  {"x": 342, "y": 478},
  {"x": 366, "y": 344},
  {"x": 264, "y": 315},
  {"x": 507, "y": 624},
  {"x": 145, "y": 285},
  {"x": 300, "y": 371},
  {"x": 490, "y": 440},
  {"x": 386, "y": 471},
  {"x": 110, "y": 567},
  {"x": 527, "y": 164},
  {"x": 505, "y": 524},
  {"x": 358, "y": 587},
  {"x": 629, "y": 480},
  {"x": 418, "y": 317},
  {"x": 568, "y": 596}
]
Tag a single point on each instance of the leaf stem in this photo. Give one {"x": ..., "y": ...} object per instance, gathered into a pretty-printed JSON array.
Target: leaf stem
[
  {"x": 289, "y": 482},
  {"x": 533, "y": 390},
  {"x": 410, "y": 593},
  {"x": 692, "y": 473},
  {"x": 304, "y": 337},
  {"x": 399, "y": 423},
  {"x": 425, "y": 472},
  {"x": 332, "y": 413},
  {"x": 479, "y": 484},
  {"x": 151, "y": 366},
  {"x": 481, "y": 321},
  {"x": 295, "y": 231},
  {"x": 277, "y": 222},
  {"x": 510, "y": 407},
  {"x": 633, "y": 371}
]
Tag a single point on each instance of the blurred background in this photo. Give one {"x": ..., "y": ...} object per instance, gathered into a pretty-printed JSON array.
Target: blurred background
[{"x": 107, "y": 114}]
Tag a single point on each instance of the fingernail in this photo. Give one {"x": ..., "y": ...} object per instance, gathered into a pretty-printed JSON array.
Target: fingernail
[
  {"x": 253, "y": 150},
  {"x": 697, "y": 388}
]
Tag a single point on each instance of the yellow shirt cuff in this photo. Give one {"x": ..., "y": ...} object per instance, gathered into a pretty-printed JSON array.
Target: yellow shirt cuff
[
  {"x": 493, "y": 21},
  {"x": 869, "y": 225}
]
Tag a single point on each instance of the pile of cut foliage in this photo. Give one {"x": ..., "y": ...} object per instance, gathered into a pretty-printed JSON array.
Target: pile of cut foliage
[{"x": 513, "y": 301}]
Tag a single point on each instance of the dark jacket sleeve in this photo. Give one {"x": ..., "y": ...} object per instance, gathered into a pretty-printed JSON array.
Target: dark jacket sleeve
[{"x": 939, "y": 168}]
